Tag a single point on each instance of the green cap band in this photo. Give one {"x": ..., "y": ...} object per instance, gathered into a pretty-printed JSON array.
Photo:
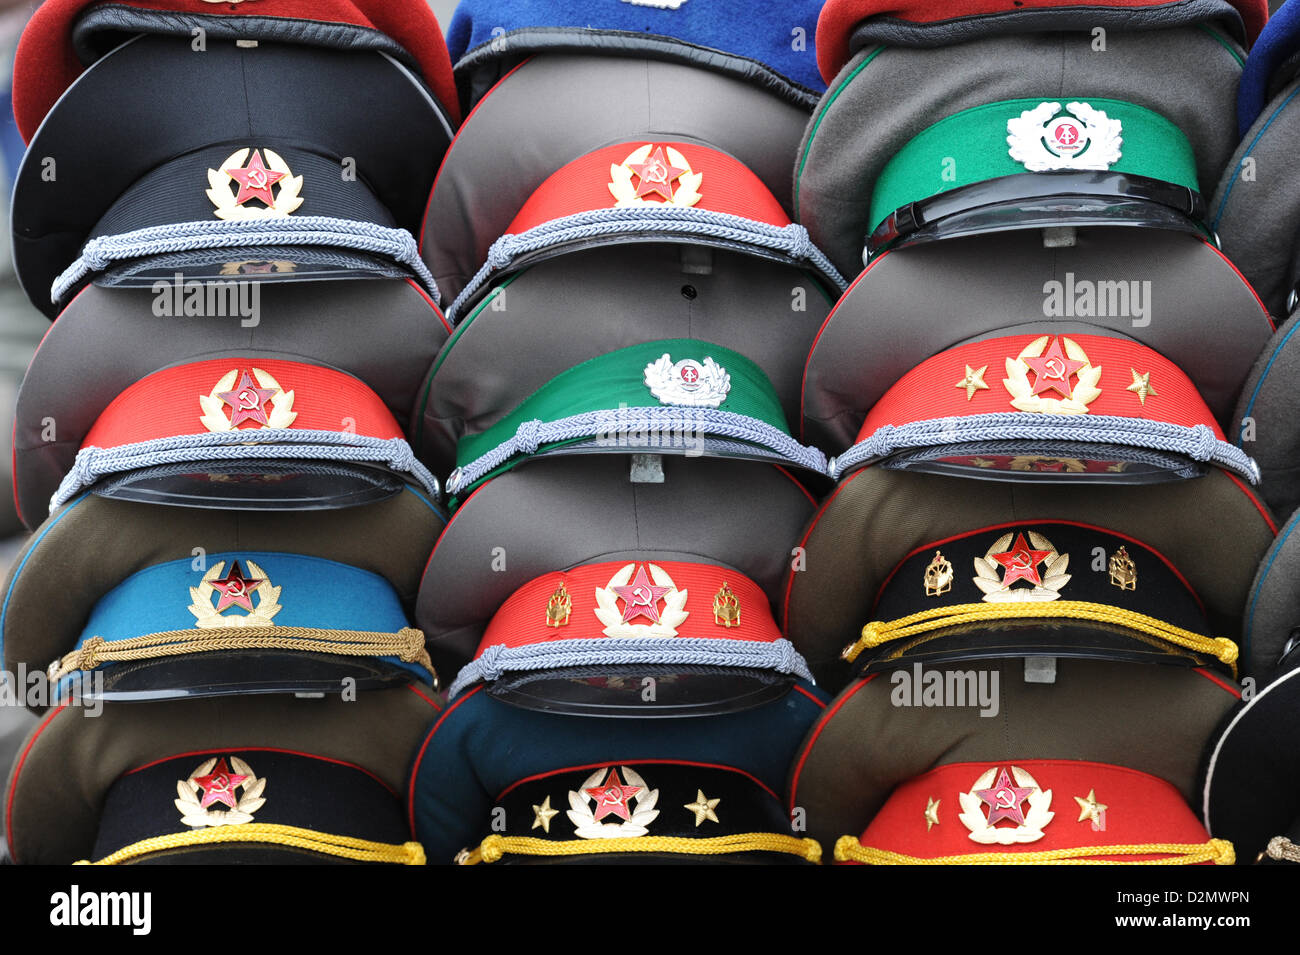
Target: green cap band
[
  {"x": 704, "y": 387},
  {"x": 973, "y": 146}
]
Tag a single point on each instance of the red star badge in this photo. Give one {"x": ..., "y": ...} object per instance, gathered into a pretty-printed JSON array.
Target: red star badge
[
  {"x": 219, "y": 785},
  {"x": 1005, "y": 799},
  {"x": 641, "y": 597},
  {"x": 657, "y": 175},
  {"x": 247, "y": 402},
  {"x": 612, "y": 797},
  {"x": 1054, "y": 369},
  {"x": 235, "y": 588},
  {"x": 1021, "y": 562},
  {"x": 255, "y": 180}
]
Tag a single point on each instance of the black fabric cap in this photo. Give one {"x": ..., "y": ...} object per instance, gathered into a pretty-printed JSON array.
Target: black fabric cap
[
  {"x": 1252, "y": 778},
  {"x": 119, "y": 134},
  {"x": 1034, "y": 565},
  {"x": 733, "y": 804},
  {"x": 299, "y": 790}
]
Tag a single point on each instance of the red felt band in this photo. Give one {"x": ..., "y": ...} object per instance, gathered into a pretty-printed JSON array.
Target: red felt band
[
  {"x": 166, "y": 403},
  {"x": 45, "y": 63},
  {"x": 727, "y": 187},
  {"x": 839, "y": 17},
  {"x": 522, "y": 619},
  {"x": 1140, "y": 809},
  {"x": 929, "y": 392}
]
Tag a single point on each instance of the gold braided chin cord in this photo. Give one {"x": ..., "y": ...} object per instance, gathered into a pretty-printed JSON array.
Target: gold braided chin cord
[
  {"x": 494, "y": 847},
  {"x": 407, "y": 644},
  {"x": 263, "y": 833},
  {"x": 1218, "y": 851},
  {"x": 879, "y": 632},
  {"x": 1282, "y": 849}
]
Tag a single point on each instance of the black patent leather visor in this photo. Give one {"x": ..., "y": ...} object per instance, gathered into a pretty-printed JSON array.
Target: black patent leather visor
[{"x": 1042, "y": 200}]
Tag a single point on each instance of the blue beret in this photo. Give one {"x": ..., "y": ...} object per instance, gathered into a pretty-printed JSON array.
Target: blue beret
[
  {"x": 1279, "y": 39},
  {"x": 768, "y": 44}
]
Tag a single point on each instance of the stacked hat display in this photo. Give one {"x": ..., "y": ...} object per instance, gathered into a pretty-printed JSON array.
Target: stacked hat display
[
  {"x": 1039, "y": 526},
  {"x": 218, "y": 208},
  {"x": 631, "y": 304},
  {"x": 657, "y": 433}
]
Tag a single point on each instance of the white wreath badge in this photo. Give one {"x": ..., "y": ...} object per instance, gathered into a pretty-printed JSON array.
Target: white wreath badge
[
  {"x": 1035, "y": 820},
  {"x": 1027, "y": 139},
  {"x": 214, "y": 416},
  {"x": 686, "y": 194},
  {"x": 637, "y": 824},
  {"x": 1031, "y": 830},
  {"x": 663, "y": 378},
  {"x": 995, "y": 591},
  {"x": 286, "y": 200},
  {"x": 192, "y": 811},
  {"x": 1023, "y": 398},
  {"x": 673, "y": 616},
  {"x": 205, "y": 612}
]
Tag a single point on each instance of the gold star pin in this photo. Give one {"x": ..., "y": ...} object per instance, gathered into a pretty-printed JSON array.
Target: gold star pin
[
  {"x": 974, "y": 381},
  {"x": 703, "y": 807},
  {"x": 1142, "y": 386},
  {"x": 931, "y": 813},
  {"x": 543, "y": 814},
  {"x": 1089, "y": 808}
]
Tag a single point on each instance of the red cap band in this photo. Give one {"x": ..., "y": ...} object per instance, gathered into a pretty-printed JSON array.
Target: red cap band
[
  {"x": 665, "y": 175},
  {"x": 648, "y": 599},
  {"x": 1001, "y": 375},
  {"x": 1048, "y": 804},
  {"x": 258, "y": 393}
]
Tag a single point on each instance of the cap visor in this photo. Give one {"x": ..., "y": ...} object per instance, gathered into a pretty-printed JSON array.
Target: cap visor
[
  {"x": 248, "y": 264},
  {"x": 641, "y": 692},
  {"x": 1014, "y": 640},
  {"x": 242, "y": 673},
  {"x": 529, "y": 259},
  {"x": 683, "y": 443},
  {"x": 1047, "y": 212},
  {"x": 242, "y": 854},
  {"x": 1049, "y": 462},
  {"x": 255, "y": 485},
  {"x": 138, "y": 125}
]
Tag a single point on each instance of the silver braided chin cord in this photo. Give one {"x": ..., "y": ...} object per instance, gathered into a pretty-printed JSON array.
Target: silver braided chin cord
[
  {"x": 99, "y": 253},
  {"x": 607, "y": 425},
  {"x": 779, "y": 655},
  {"x": 1283, "y": 850},
  {"x": 793, "y": 240},
  {"x": 1198, "y": 442}
]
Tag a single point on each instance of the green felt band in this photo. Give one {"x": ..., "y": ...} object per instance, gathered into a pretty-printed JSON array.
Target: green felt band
[
  {"x": 618, "y": 379},
  {"x": 972, "y": 147}
]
